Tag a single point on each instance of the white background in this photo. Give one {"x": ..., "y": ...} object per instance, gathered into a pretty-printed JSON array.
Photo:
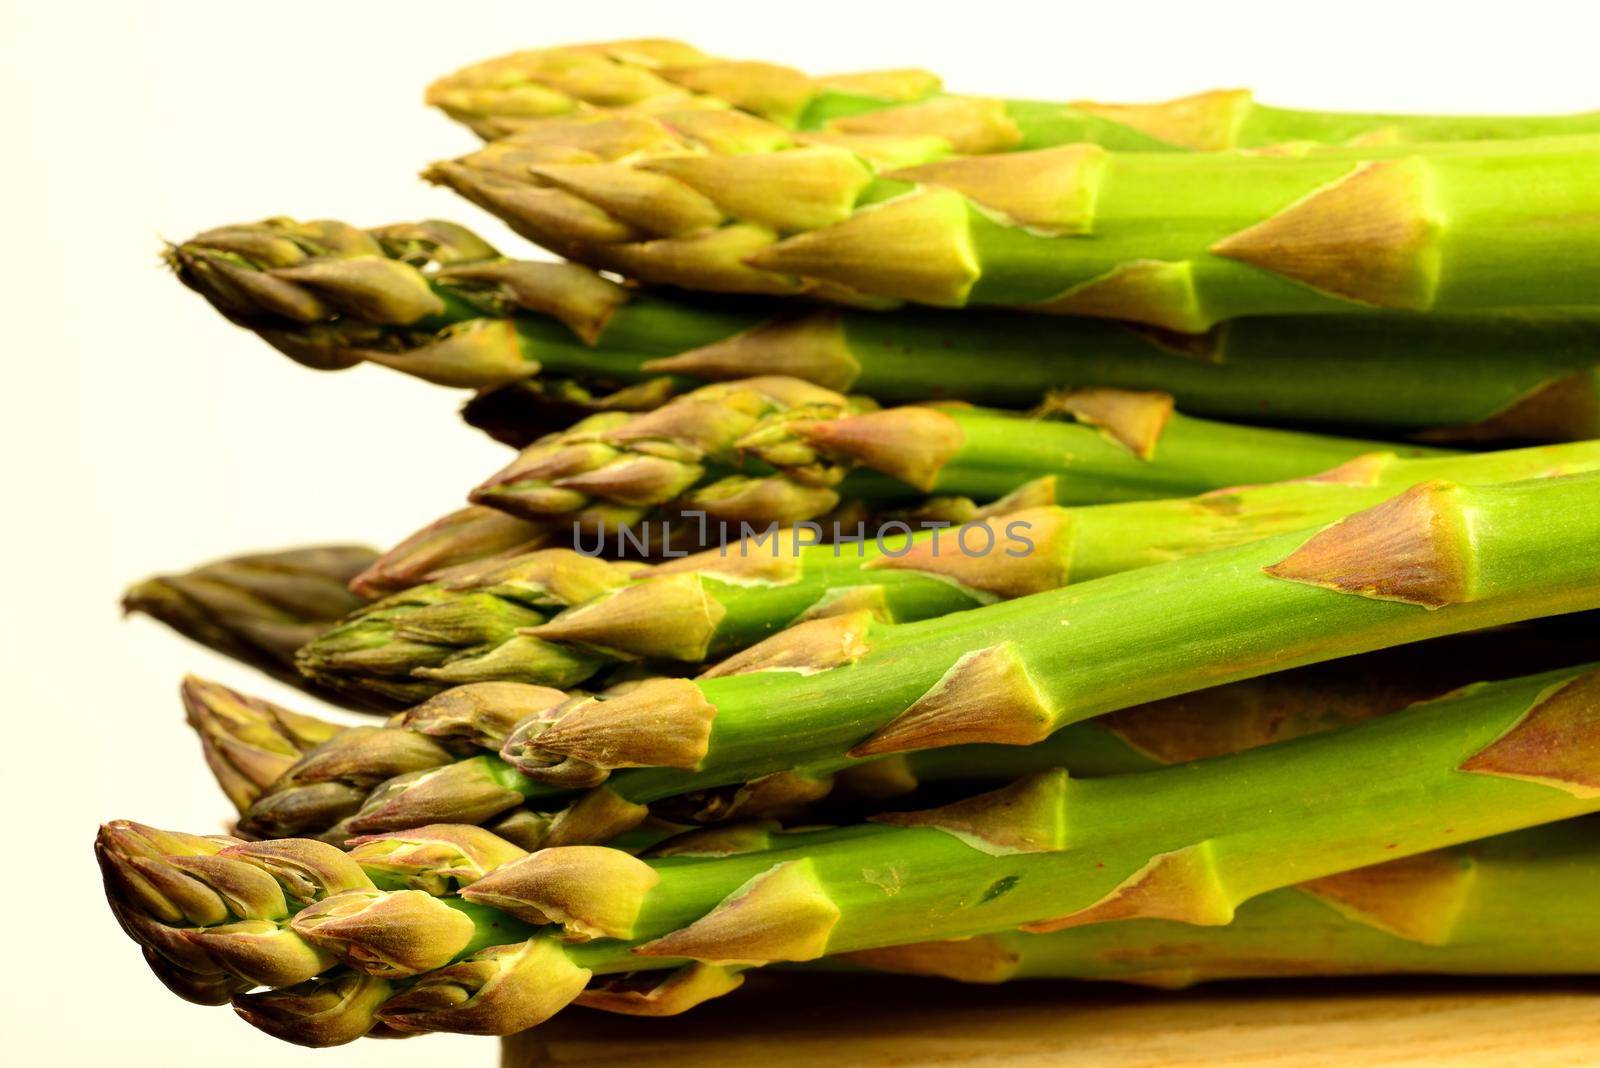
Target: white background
[{"x": 141, "y": 433}]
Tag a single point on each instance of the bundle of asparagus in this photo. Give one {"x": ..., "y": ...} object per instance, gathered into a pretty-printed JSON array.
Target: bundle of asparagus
[{"x": 1165, "y": 637}]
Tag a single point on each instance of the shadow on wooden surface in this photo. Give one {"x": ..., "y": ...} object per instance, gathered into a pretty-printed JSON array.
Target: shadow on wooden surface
[{"x": 820, "y": 1021}]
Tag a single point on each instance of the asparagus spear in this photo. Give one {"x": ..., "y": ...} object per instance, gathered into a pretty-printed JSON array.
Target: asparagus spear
[
  {"x": 463, "y": 628},
  {"x": 1113, "y": 445},
  {"x": 706, "y": 606},
  {"x": 249, "y": 743},
  {"x": 1509, "y": 905},
  {"x": 330, "y": 295},
  {"x": 469, "y": 536},
  {"x": 508, "y": 93},
  {"x": 423, "y": 768},
  {"x": 252, "y": 745},
  {"x": 1048, "y": 853},
  {"x": 259, "y": 608},
  {"x": 500, "y": 94},
  {"x": 1181, "y": 242},
  {"x": 1438, "y": 559},
  {"x": 219, "y": 915}
]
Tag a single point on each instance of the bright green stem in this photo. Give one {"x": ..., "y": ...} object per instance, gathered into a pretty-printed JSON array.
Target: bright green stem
[
  {"x": 1210, "y": 834},
  {"x": 900, "y": 454},
  {"x": 1396, "y": 372},
  {"x": 1505, "y": 552},
  {"x": 1487, "y": 210},
  {"x": 1388, "y": 788},
  {"x": 999, "y": 453},
  {"x": 1514, "y": 904},
  {"x": 1044, "y": 124},
  {"x": 1223, "y": 719}
]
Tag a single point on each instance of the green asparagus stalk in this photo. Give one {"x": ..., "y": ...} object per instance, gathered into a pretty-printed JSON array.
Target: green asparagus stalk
[
  {"x": 508, "y": 93},
  {"x": 1438, "y": 559},
  {"x": 435, "y": 763},
  {"x": 330, "y": 295},
  {"x": 1180, "y": 242},
  {"x": 1112, "y": 445},
  {"x": 1508, "y": 905},
  {"x": 1048, "y": 853},
  {"x": 260, "y": 608},
  {"x": 706, "y": 606}
]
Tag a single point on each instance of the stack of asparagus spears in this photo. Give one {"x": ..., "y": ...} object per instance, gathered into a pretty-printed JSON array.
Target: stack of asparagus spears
[{"x": 954, "y": 536}]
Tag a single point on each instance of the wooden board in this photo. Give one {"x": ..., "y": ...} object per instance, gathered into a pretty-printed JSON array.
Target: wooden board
[{"x": 818, "y": 1021}]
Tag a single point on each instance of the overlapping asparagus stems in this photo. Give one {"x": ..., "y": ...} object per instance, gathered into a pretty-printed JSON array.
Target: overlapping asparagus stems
[
  {"x": 258, "y": 608},
  {"x": 434, "y": 763},
  {"x": 1509, "y": 905},
  {"x": 504, "y": 622},
  {"x": 467, "y": 540},
  {"x": 709, "y": 201},
  {"x": 330, "y": 295},
  {"x": 1438, "y": 559},
  {"x": 1048, "y": 853},
  {"x": 501, "y": 95}
]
